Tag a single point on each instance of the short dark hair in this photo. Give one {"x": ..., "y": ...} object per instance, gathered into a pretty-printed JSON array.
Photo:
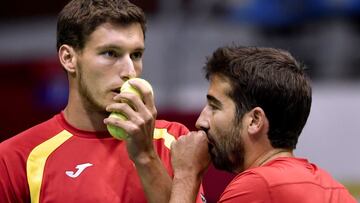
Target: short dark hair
[
  {"x": 268, "y": 78},
  {"x": 79, "y": 18}
]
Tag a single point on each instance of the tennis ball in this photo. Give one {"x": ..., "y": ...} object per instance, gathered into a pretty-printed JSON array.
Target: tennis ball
[
  {"x": 115, "y": 131},
  {"x": 126, "y": 87}
]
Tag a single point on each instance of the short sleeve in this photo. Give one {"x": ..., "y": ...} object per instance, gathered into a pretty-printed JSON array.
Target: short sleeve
[{"x": 248, "y": 187}]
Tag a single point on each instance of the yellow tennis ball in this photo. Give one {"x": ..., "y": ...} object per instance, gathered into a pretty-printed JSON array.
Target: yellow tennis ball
[
  {"x": 126, "y": 87},
  {"x": 115, "y": 131}
]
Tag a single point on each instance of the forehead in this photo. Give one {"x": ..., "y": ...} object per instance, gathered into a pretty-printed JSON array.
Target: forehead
[
  {"x": 117, "y": 35},
  {"x": 219, "y": 86}
]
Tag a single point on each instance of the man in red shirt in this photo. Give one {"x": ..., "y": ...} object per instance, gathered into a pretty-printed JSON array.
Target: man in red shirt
[
  {"x": 72, "y": 157},
  {"x": 258, "y": 102}
]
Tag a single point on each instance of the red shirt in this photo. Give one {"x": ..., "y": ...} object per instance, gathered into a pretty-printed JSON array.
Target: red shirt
[
  {"x": 55, "y": 162},
  {"x": 285, "y": 180}
]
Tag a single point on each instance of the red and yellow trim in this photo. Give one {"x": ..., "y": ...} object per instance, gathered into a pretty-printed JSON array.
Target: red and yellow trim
[
  {"x": 36, "y": 162},
  {"x": 37, "y": 158},
  {"x": 163, "y": 134}
]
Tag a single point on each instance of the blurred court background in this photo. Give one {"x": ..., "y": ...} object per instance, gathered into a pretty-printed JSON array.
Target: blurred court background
[{"x": 324, "y": 34}]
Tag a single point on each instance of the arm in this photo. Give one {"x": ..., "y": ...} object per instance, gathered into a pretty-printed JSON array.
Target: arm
[
  {"x": 141, "y": 114},
  {"x": 190, "y": 159},
  {"x": 154, "y": 178}
]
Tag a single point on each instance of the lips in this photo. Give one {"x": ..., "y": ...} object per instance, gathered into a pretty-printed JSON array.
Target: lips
[
  {"x": 116, "y": 91},
  {"x": 212, "y": 151},
  {"x": 210, "y": 143}
]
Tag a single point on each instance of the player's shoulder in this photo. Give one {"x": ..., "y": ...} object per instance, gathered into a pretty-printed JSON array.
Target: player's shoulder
[
  {"x": 292, "y": 170},
  {"x": 264, "y": 175},
  {"x": 173, "y": 128},
  {"x": 31, "y": 137},
  {"x": 245, "y": 187},
  {"x": 249, "y": 176}
]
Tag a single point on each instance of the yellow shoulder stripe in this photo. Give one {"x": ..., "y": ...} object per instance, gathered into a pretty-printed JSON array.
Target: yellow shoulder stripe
[
  {"x": 163, "y": 134},
  {"x": 36, "y": 162}
]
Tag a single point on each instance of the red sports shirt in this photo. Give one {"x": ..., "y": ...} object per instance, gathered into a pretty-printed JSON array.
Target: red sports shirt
[
  {"x": 285, "y": 180},
  {"x": 54, "y": 162}
]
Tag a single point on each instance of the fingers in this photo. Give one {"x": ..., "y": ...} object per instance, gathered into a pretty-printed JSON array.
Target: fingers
[
  {"x": 141, "y": 113},
  {"x": 146, "y": 92},
  {"x": 128, "y": 126},
  {"x": 135, "y": 121},
  {"x": 142, "y": 105},
  {"x": 137, "y": 108},
  {"x": 189, "y": 154},
  {"x": 130, "y": 99},
  {"x": 192, "y": 138},
  {"x": 192, "y": 143}
]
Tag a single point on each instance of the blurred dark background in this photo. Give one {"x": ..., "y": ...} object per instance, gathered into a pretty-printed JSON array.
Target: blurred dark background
[{"x": 323, "y": 34}]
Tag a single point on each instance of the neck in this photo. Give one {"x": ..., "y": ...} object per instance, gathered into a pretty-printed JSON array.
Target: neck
[
  {"x": 83, "y": 119},
  {"x": 271, "y": 155}
]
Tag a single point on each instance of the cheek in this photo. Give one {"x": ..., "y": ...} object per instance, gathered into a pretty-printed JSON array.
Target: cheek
[
  {"x": 138, "y": 68},
  {"x": 219, "y": 137},
  {"x": 223, "y": 131},
  {"x": 95, "y": 84}
]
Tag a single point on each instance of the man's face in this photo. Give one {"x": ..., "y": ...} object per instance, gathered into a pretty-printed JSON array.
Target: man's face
[
  {"x": 112, "y": 54},
  {"x": 226, "y": 145}
]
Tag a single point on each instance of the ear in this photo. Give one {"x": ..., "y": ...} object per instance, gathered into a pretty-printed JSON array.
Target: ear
[
  {"x": 67, "y": 57},
  {"x": 257, "y": 121}
]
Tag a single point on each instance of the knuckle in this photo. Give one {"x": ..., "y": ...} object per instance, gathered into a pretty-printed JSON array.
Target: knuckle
[
  {"x": 148, "y": 118},
  {"x": 131, "y": 96},
  {"x": 117, "y": 122},
  {"x": 132, "y": 129},
  {"x": 118, "y": 106},
  {"x": 154, "y": 113},
  {"x": 140, "y": 122},
  {"x": 122, "y": 105},
  {"x": 173, "y": 144},
  {"x": 146, "y": 92},
  {"x": 181, "y": 139}
]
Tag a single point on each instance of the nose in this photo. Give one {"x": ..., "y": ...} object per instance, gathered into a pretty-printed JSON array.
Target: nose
[
  {"x": 127, "y": 68},
  {"x": 202, "y": 122}
]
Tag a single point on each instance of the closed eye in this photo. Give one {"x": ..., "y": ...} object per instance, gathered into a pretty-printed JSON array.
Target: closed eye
[
  {"x": 213, "y": 103},
  {"x": 213, "y": 107}
]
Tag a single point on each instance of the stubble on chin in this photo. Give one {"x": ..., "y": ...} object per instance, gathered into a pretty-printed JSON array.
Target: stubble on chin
[
  {"x": 228, "y": 152},
  {"x": 90, "y": 103}
]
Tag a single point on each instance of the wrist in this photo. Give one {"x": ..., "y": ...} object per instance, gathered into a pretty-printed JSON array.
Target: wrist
[
  {"x": 185, "y": 187},
  {"x": 145, "y": 158},
  {"x": 191, "y": 175}
]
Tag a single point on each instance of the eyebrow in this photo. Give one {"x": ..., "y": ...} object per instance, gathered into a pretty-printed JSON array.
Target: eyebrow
[
  {"x": 110, "y": 46},
  {"x": 213, "y": 100}
]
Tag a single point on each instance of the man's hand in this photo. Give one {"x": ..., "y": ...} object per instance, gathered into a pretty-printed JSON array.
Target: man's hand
[
  {"x": 190, "y": 159},
  {"x": 190, "y": 154},
  {"x": 141, "y": 114}
]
